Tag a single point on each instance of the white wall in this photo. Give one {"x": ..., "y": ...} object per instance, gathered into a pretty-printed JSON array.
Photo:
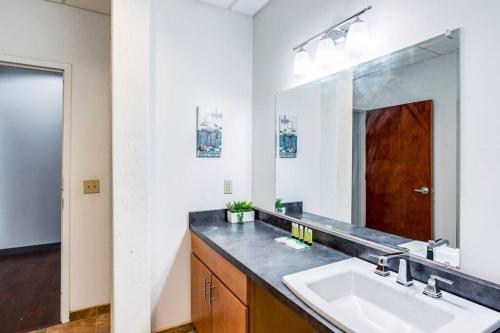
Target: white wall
[
  {"x": 304, "y": 103},
  {"x": 277, "y": 28},
  {"x": 131, "y": 312},
  {"x": 56, "y": 33},
  {"x": 30, "y": 154},
  {"x": 320, "y": 176},
  {"x": 434, "y": 79},
  {"x": 201, "y": 55},
  {"x": 394, "y": 25}
]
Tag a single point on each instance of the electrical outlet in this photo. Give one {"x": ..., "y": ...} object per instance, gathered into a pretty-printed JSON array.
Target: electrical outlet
[
  {"x": 228, "y": 186},
  {"x": 91, "y": 186}
]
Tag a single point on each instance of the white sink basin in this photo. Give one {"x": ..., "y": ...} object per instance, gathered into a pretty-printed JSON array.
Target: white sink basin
[
  {"x": 443, "y": 254},
  {"x": 352, "y": 297}
]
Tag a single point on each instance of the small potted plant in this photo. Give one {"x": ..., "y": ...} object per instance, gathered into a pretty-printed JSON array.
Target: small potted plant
[
  {"x": 279, "y": 206},
  {"x": 240, "y": 212}
]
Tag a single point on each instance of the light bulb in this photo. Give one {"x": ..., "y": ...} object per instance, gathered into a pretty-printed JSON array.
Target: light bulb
[
  {"x": 326, "y": 53},
  {"x": 358, "y": 37},
  {"x": 302, "y": 64}
]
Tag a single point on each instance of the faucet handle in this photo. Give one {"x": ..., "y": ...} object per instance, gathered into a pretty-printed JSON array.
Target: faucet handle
[
  {"x": 382, "y": 268},
  {"x": 438, "y": 278},
  {"x": 381, "y": 259},
  {"x": 432, "y": 289}
]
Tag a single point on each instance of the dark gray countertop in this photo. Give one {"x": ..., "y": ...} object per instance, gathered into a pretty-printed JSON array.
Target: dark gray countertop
[{"x": 251, "y": 247}]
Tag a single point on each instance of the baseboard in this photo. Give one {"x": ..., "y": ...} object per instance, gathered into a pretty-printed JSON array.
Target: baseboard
[
  {"x": 182, "y": 328},
  {"x": 28, "y": 249},
  {"x": 89, "y": 312}
]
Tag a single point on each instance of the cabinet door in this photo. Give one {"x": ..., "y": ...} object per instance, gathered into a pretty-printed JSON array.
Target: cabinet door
[
  {"x": 200, "y": 309},
  {"x": 229, "y": 315},
  {"x": 268, "y": 314}
]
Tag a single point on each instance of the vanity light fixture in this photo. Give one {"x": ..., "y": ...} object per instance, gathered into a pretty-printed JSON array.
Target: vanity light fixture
[
  {"x": 358, "y": 37},
  {"x": 302, "y": 64},
  {"x": 353, "y": 31},
  {"x": 326, "y": 52}
]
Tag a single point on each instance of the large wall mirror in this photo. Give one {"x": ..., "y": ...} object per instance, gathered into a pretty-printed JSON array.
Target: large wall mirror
[{"x": 374, "y": 151}]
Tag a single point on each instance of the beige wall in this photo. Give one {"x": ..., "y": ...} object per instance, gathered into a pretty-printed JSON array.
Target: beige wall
[{"x": 52, "y": 32}]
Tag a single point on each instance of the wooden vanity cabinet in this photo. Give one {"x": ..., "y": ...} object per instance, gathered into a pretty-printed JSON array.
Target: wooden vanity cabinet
[
  {"x": 224, "y": 300},
  {"x": 219, "y": 292}
]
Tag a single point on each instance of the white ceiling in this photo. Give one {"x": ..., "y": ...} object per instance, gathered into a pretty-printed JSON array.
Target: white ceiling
[
  {"x": 101, "y": 6},
  {"x": 248, "y": 7}
]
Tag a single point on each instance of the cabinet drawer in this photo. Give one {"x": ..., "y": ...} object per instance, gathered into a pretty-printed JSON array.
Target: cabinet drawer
[{"x": 232, "y": 277}]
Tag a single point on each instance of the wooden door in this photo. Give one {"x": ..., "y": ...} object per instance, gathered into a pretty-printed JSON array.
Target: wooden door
[
  {"x": 229, "y": 315},
  {"x": 200, "y": 309},
  {"x": 398, "y": 165}
]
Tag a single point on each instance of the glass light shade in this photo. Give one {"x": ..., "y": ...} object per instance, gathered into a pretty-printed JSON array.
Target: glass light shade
[
  {"x": 326, "y": 53},
  {"x": 302, "y": 64},
  {"x": 358, "y": 37}
]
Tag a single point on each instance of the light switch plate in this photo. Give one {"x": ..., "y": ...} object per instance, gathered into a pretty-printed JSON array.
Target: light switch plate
[
  {"x": 91, "y": 186},
  {"x": 228, "y": 186}
]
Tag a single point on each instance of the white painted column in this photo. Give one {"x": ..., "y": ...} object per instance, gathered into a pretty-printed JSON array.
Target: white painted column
[{"x": 131, "y": 309}]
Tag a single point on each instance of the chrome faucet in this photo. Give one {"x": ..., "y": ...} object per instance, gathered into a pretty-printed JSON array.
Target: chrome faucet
[
  {"x": 432, "y": 289},
  {"x": 404, "y": 272},
  {"x": 433, "y": 244}
]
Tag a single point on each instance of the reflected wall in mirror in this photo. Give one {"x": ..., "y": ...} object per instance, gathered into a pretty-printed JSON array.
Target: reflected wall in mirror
[{"x": 377, "y": 150}]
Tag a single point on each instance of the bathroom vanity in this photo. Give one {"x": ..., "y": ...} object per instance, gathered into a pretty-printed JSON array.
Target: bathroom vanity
[
  {"x": 245, "y": 281},
  {"x": 368, "y": 158},
  {"x": 236, "y": 273}
]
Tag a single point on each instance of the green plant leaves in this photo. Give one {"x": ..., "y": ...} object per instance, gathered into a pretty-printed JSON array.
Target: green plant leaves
[{"x": 240, "y": 207}]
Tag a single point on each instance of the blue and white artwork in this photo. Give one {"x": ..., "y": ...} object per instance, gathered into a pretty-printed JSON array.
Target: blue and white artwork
[
  {"x": 208, "y": 132},
  {"x": 287, "y": 136}
]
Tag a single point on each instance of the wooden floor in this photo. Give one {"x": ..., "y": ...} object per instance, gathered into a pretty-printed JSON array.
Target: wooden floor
[
  {"x": 30, "y": 291},
  {"x": 98, "y": 324}
]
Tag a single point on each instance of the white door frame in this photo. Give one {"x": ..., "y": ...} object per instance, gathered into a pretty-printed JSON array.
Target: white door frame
[{"x": 65, "y": 69}]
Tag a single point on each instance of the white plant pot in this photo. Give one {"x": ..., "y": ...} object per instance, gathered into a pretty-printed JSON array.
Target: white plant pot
[{"x": 247, "y": 217}]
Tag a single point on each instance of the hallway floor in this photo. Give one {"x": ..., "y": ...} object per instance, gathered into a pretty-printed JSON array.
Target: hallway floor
[
  {"x": 98, "y": 324},
  {"x": 30, "y": 290}
]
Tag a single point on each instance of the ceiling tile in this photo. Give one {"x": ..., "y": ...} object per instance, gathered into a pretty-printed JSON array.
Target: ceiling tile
[
  {"x": 220, "y": 3},
  {"x": 249, "y": 7},
  {"x": 101, "y": 6}
]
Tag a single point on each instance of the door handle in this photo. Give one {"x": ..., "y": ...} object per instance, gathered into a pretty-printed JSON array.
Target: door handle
[
  {"x": 205, "y": 292},
  {"x": 210, "y": 299},
  {"x": 423, "y": 190}
]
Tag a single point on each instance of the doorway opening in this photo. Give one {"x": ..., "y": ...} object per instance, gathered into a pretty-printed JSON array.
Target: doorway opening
[{"x": 34, "y": 149}]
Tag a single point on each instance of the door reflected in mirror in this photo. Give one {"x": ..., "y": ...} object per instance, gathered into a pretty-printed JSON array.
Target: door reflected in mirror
[{"x": 374, "y": 151}]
